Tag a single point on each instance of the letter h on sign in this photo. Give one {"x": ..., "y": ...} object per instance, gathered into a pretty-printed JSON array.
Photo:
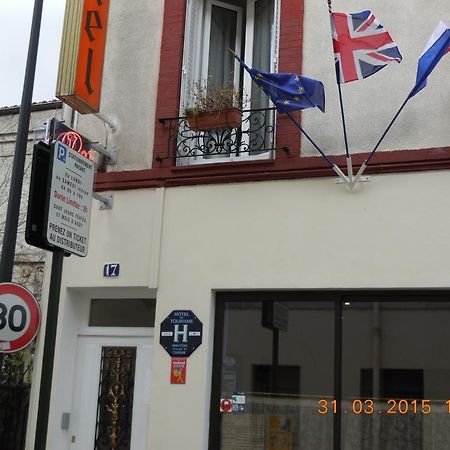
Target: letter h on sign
[{"x": 178, "y": 333}]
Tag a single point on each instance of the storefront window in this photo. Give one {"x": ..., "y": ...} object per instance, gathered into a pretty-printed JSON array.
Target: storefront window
[
  {"x": 396, "y": 375},
  {"x": 277, "y": 365},
  {"x": 331, "y": 372}
]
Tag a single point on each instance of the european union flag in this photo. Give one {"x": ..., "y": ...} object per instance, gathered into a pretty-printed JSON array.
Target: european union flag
[{"x": 289, "y": 91}]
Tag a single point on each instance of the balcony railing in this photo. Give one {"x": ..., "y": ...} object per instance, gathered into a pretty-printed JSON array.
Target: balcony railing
[{"x": 256, "y": 136}]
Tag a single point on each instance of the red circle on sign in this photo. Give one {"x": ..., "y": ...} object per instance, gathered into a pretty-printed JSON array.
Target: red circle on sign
[
  {"x": 72, "y": 140},
  {"x": 35, "y": 316},
  {"x": 226, "y": 405}
]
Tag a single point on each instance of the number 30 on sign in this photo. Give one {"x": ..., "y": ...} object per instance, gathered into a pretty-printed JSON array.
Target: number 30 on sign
[{"x": 19, "y": 317}]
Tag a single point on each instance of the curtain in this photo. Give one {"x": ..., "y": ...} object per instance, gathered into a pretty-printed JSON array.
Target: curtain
[
  {"x": 262, "y": 47},
  {"x": 223, "y": 37}
]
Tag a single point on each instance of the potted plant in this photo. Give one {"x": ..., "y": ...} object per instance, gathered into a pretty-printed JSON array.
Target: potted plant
[{"x": 214, "y": 107}]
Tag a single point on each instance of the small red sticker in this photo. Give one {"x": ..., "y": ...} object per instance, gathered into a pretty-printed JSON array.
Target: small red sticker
[{"x": 226, "y": 405}]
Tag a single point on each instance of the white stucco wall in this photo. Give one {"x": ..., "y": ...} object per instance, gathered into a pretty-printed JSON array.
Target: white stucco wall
[
  {"x": 128, "y": 234},
  {"x": 130, "y": 78},
  {"x": 120, "y": 235},
  {"x": 391, "y": 232},
  {"x": 183, "y": 243},
  {"x": 371, "y": 103}
]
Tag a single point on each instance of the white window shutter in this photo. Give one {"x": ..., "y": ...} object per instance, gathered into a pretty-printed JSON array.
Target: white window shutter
[{"x": 191, "y": 50}]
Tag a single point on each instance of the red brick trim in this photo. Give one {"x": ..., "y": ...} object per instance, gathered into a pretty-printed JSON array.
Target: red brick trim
[
  {"x": 276, "y": 169},
  {"x": 290, "y": 59},
  {"x": 169, "y": 83}
]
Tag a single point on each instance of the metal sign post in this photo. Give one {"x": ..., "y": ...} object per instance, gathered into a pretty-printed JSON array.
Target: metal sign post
[
  {"x": 51, "y": 325},
  {"x": 12, "y": 215}
]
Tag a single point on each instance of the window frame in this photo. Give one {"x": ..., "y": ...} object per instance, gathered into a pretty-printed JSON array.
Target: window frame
[
  {"x": 338, "y": 297},
  {"x": 196, "y": 59}
]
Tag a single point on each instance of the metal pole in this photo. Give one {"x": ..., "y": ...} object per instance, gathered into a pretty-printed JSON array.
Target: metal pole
[
  {"x": 49, "y": 350},
  {"x": 15, "y": 192},
  {"x": 275, "y": 357},
  {"x": 337, "y": 417},
  {"x": 344, "y": 128},
  {"x": 366, "y": 162},
  {"x": 341, "y": 103},
  {"x": 338, "y": 171}
]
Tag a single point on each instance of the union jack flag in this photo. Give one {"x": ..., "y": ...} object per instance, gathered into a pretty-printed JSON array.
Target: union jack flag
[{"x": 361, "y": 46}]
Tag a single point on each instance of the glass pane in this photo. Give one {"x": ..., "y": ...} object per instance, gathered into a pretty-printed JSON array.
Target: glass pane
[
  {"x": 261, "y": 122},
  {"x": 396, "y": 375},
  {"x": 122, "y": 312},
  {"x": 277, "y": 366},
  {"x": 262, "y": 46},
  {"x": 223, "y": 37}
]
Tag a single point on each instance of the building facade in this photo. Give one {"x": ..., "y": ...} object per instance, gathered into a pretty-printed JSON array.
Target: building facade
[{"x": 324, "y": 309}]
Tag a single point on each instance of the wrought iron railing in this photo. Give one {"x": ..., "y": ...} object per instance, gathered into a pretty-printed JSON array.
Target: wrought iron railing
[
  {"x": 255, "y": 137},
  {"x": 15, "y": 374}
]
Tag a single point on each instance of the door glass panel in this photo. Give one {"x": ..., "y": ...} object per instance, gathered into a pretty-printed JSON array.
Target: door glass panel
[
  {"x": 277, "y": 365},
  {"x": 396, "y": 375},
  {"x": 115, "y": 398}
]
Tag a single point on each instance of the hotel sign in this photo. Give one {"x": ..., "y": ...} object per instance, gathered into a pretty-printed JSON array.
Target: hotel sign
[
  {"x": 181, "y": 333},
  {"x": 82, "y": 54}
]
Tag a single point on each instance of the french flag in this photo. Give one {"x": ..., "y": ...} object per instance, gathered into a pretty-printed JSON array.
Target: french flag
[{"x": 437, "y": 47}]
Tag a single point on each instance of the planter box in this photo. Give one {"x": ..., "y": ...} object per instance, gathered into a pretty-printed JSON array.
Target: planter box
[{"x": 229, "y": 118}]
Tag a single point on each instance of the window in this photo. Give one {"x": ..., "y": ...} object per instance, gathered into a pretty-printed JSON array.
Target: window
[
  {"x": 122, "y": 312},
  {"x": 212, "y": 28},
  {"x": 328, "y": 371}
]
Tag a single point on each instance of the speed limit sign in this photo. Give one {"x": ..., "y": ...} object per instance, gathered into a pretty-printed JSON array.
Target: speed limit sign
[{"x": 19, "y": 317}]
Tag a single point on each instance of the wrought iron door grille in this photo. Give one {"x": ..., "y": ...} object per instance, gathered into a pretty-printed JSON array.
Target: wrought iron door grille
[
  {"x": 115, "y": 399},
  {"x": 255, "y": 136}
]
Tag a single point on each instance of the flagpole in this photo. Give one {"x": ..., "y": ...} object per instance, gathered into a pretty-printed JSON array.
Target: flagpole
[
  {"x": 348, "y": 156},
  {"x": 366, "y": 162},
  {"x": 336, "y": 169},
  {"x": 344, "y": 127},
  {"x": 333, "y": 166}
]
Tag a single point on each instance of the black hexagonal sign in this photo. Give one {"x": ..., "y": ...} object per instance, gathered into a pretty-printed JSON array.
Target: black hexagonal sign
[{"x": 181, "y": 333}]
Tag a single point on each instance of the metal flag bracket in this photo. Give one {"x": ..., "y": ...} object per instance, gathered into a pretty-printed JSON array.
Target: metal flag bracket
[
  {"x": 351, "y": 185},
  {"x": 109, "y": 153},
  {"x": 106, "y": 200}
]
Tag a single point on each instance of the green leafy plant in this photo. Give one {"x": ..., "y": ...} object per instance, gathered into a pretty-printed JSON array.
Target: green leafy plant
[
  {"x": 15, "y": 368},
  {"x": 210, "y": 97}
]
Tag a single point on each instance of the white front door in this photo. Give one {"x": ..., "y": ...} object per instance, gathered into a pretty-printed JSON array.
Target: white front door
[{"x": 111, "y": 395}]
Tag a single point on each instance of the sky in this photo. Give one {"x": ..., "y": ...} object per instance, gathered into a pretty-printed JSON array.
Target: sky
[{"x": 15, "y": 27}]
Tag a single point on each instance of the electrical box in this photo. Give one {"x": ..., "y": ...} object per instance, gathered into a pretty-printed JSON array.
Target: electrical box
[{"x": 35, "y": 230}]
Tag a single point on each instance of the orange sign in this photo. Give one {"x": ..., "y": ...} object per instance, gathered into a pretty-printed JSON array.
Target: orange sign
[
  {"x": 178, "y": 371},
  {"x": 82, "y": 54},
  {"x": 91, "y": 53}
]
